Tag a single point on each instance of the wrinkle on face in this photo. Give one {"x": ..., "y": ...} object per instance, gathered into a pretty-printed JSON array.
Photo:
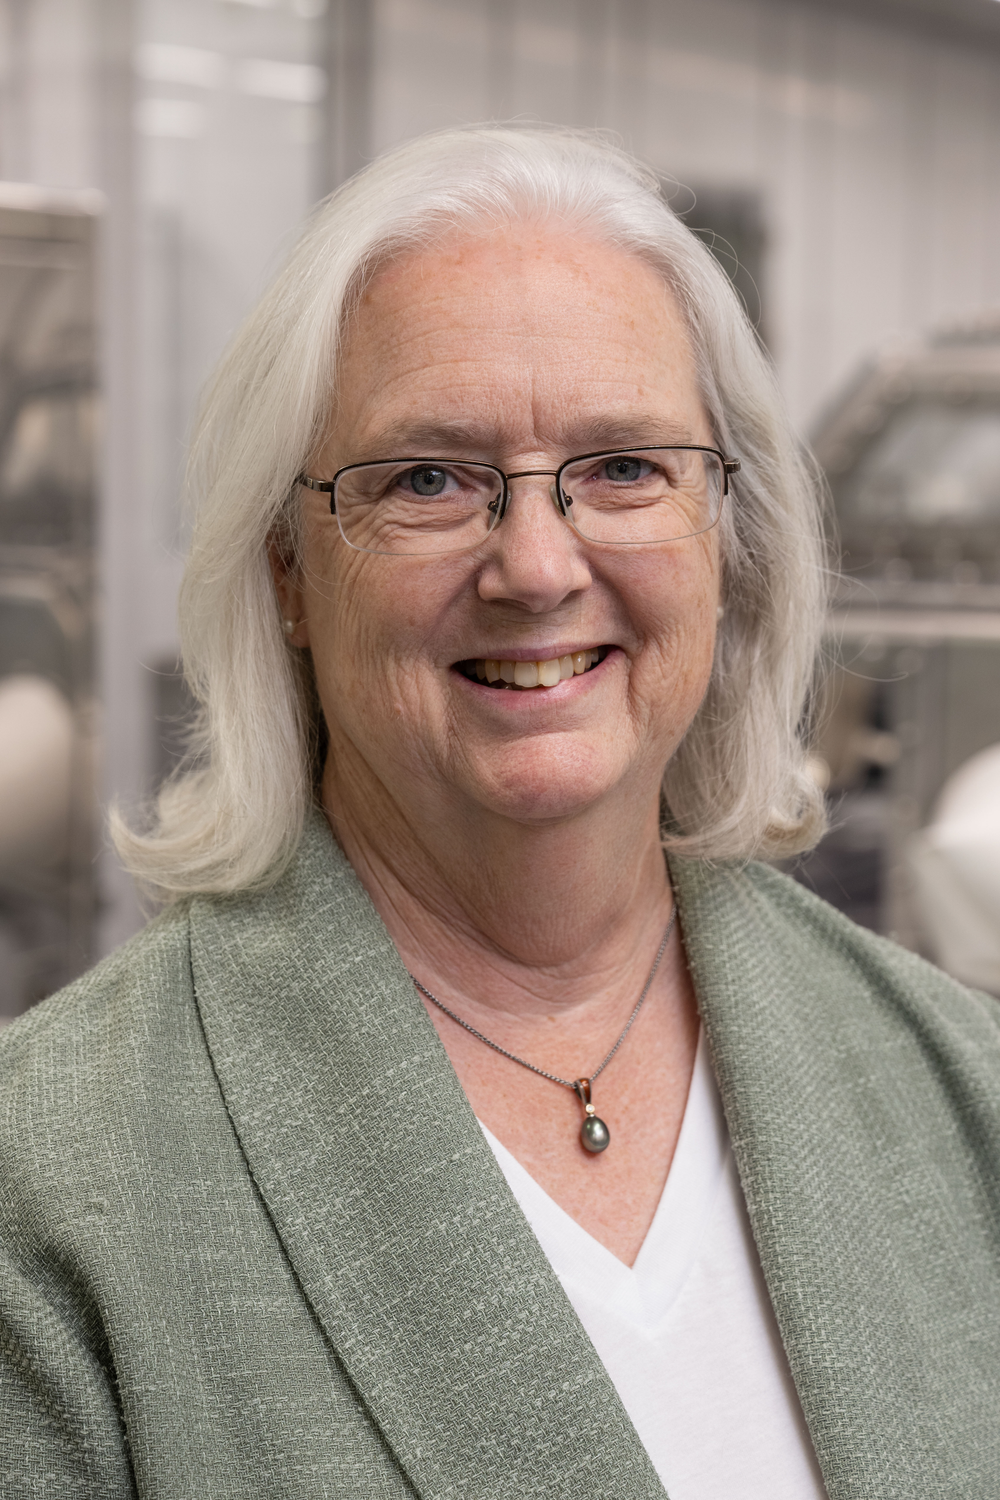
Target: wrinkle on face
[{"x": 521, "y": 343}]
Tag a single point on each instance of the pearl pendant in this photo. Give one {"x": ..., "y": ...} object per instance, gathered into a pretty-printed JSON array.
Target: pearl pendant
[{"x": 594, "y": 1134}]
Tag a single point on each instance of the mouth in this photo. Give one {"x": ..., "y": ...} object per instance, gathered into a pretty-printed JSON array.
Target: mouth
[{"x": 524, "y": 676}]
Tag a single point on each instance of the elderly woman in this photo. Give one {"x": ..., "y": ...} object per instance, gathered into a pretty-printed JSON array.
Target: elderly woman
[{"x": 477, "y": 1120}]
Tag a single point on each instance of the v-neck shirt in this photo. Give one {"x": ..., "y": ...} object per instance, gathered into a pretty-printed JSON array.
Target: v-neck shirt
[{"x": 687, "y": 1334}]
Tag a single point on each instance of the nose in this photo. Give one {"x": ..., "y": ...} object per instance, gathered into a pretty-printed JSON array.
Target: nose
[{"x": 536, "y": 558}]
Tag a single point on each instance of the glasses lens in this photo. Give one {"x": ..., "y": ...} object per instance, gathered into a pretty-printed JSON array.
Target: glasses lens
[
  {"x": 652, "y": 495},
  {"x": 416, "y": 506}
]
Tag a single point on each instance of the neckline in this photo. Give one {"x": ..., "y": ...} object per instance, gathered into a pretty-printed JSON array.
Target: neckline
[{"x": 644, "y": 1293}]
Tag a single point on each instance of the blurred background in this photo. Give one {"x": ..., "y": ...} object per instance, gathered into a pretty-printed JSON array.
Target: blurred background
[{"x": 843, "y": 161}]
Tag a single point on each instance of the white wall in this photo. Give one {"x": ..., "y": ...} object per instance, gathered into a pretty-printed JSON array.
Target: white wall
[
  {"x": 875, "y": 149},
  {"x": 228, "y": 118},
  {"x": 200, "y": 122}
]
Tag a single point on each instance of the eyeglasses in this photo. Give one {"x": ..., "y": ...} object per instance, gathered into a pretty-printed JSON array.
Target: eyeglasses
[{"x": 420, "y": 506}]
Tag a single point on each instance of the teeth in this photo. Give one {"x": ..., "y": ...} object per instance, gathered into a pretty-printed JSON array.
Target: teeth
[{"x": 531, "y": 674}]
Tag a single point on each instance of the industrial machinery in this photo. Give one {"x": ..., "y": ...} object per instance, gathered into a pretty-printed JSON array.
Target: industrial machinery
[
  {"x": 912, "y": 455},
  {"x": 48, "y": 441}
]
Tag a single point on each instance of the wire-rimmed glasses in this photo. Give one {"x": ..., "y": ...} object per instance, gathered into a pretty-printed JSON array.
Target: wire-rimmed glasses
[{"x": 624, "y": 497}]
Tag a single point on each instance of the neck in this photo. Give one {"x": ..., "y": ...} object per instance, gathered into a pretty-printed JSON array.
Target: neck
[{"x": 520, "y": 918}]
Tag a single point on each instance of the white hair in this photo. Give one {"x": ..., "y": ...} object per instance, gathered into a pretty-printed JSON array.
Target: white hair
[{"x": 232, "y": 815}]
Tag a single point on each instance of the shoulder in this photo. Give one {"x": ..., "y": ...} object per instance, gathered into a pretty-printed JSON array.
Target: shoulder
[
  {"x": 84, "y": 1074},
  {"x": 110, "y": 1128},
  {"x": 877, "y": 961},
  {"x": 115, "y": 1066},
  {"x": 81, "y": 1029},
  {"x": 777, "y": 950}
]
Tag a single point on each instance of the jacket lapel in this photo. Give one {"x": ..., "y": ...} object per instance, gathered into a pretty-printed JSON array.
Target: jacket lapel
[
  {"x": 400, "y": 1226},
  {"x": 860, "y": 1089}
]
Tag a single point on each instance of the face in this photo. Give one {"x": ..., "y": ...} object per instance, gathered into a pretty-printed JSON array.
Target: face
[{"x": 522, "y": 350}]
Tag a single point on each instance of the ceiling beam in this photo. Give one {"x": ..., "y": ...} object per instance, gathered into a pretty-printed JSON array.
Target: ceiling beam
[{"x": 974, "y": 22}]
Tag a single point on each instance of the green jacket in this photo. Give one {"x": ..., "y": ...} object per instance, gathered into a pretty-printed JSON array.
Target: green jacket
[{"x": 253, "y": 1243}]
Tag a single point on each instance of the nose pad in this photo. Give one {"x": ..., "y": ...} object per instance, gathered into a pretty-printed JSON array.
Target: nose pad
[{"x": 557, "y": 499}]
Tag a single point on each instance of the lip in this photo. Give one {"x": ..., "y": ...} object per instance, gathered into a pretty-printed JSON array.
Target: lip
[
  {"x": 517, "y": 701},
  {"x": 542, "y": 653}
]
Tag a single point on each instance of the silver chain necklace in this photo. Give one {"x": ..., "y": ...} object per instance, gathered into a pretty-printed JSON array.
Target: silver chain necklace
[{"x": 594, "y": 1134}]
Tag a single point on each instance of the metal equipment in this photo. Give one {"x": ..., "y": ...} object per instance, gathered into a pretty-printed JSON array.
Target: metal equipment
[
  {"x": 48, "y": 441},
  {"x": 912, "y": 455}
]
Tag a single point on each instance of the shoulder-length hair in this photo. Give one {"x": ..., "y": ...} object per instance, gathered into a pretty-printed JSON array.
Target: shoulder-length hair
[{"x": 232, "y": 815}]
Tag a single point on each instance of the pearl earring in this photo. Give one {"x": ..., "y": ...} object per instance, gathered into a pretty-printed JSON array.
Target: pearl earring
[
  {"x": 720, "y": 611},
  {"x": 289, "y": 626}
]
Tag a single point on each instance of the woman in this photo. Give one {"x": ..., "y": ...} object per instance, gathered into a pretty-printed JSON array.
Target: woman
[{"x": 506, "y": 580}]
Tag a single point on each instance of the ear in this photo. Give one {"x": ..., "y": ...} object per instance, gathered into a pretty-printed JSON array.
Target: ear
[{"x": 288, "y": 588}]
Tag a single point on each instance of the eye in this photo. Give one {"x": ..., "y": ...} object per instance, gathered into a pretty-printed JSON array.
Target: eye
[
  {"x": 427, "y": 481},
  {"x": 624, "y": 469}
]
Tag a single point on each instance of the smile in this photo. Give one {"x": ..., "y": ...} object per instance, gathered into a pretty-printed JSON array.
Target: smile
[{"x": 524, "y": 675}]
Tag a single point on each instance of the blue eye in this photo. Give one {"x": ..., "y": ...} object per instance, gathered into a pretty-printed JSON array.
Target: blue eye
[
  {"x": 623, "y": 470},
  {"x": 427, "y": 481}
]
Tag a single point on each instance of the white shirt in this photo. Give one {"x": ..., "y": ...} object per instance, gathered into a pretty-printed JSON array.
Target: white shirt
[{"x": 687, "y": 1334}]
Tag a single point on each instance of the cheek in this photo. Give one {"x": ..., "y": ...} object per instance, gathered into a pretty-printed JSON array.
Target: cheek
[
  {"x": 354, "y": 649},
  {"x": 370, "y": 621},
  {"x": 353, "y": 604},
  {"x": 677, "y": 605},
  {"x": 674, "y": 598},
  {"x": 345, "y": 616}
]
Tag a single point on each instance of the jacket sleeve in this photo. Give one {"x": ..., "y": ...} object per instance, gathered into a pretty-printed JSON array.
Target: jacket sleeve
[{"x": 61, "y": 1434}]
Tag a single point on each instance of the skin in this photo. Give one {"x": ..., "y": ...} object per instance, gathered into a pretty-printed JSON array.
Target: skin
[{"x": 510, "y": 840}]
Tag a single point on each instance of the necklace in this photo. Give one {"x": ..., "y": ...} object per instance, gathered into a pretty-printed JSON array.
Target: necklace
[{"x": 594, "y": 1134}]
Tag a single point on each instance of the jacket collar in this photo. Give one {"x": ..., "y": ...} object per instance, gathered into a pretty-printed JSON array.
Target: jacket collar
[
  {"x": 859, "y": 1086},
  {"x": 855, "y": 1086},
  {"x": 400, "y": 1225}
]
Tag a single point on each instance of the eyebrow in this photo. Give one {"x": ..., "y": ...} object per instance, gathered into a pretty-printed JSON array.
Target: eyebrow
[{"x": 474, "y": 440}]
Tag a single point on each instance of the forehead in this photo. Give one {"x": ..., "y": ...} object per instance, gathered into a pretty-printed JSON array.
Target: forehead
[{"x": 531, "y": 335}]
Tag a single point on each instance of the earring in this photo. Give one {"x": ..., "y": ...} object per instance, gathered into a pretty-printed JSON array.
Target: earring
[
  {"x": 720, "y": 611},
  {"x": 289, "y": 626}
]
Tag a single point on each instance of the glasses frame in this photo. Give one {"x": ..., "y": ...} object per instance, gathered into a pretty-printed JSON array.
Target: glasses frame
[{"x": 498, "y": 508}]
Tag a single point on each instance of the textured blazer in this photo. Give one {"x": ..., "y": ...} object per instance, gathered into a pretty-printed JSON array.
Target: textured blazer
[{"x": 254, "y": 1244}]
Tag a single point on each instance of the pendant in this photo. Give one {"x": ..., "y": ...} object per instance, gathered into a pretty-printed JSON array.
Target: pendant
[{"x": 594, "y": 1134}]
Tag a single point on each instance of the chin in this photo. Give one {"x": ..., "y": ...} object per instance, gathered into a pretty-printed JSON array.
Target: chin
[{"x": 543, "y": 787}]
